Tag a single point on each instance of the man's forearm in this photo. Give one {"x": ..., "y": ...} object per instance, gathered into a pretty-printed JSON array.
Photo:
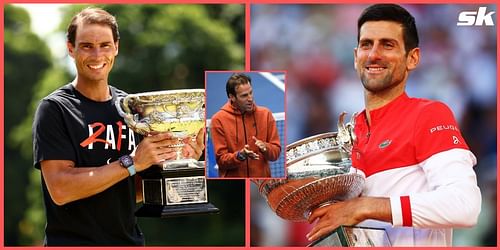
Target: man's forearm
[
  {"x": 67, "y": 183},
  {"x": 375, "y": 208},
  {"x": 228, "y": 161}
]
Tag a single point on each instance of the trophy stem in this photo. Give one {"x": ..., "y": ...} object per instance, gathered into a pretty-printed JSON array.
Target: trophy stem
[
  {"x": 178, "y": 154},
  {"x": 178, "y": 149}
]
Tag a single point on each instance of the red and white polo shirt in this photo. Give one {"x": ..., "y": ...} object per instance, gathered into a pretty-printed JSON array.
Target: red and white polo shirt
[{"x": 414, "y": 153}]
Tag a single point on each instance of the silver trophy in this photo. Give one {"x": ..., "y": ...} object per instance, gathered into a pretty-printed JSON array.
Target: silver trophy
[
  {"x": 178, "y": 187},
  {"x": 319, "y": 173}
]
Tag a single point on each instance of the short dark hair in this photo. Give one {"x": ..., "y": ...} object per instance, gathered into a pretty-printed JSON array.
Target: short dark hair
[
  {"x": 234, "y": 81},
  {"x": 395, "y": 13},
  {"x": 92, "y": 15}
]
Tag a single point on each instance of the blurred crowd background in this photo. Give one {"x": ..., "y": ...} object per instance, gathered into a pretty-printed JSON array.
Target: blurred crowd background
[
  {"x": 162, "y": 47},
  {"x": 314, "y": 44}
]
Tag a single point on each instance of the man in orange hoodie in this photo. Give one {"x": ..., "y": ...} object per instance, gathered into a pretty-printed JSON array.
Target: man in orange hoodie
[{"x": 244, "y": 135}]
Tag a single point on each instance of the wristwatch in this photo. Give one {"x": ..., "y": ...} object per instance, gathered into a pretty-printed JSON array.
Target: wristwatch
[
  {"x": 240, "y": 156},
  {"x": 127, "y": 162}
]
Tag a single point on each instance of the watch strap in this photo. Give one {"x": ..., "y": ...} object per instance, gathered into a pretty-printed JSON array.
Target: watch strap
[{"x": 131, "y": 170}]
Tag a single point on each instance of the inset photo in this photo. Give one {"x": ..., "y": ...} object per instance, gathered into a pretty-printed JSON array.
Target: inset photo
[
  {"x": 245, "y": 123},
  {"x": 392, "y": 114}
]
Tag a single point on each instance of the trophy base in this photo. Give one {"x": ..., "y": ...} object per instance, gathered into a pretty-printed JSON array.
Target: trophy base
[
  {"x": 175, "y": 192},
  {"x": 163, "y": 211},
  {"x": 354, "y": 236}
]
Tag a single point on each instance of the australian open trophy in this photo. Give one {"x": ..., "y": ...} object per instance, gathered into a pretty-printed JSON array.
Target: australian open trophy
[
  {"x": 177, "y": 187},
  {"x": 319, "y": 173}
]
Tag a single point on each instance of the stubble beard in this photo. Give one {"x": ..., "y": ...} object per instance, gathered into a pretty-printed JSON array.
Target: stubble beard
[{"x": 376, "y": 85}]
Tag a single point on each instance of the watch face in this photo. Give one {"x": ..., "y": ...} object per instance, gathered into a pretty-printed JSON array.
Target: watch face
[{"x": 126, "y": 161}]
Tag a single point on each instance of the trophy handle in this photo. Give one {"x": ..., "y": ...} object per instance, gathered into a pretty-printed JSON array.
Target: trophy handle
[
  {"x": 122, "y": 108},
  {"x": 125, "y": 112},
  {"x": 350, "y": 126},
  {"x": 346, "y": 136}
]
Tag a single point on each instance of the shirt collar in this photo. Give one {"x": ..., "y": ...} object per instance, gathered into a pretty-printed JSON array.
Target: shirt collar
[{"x": 377, "y": 114}]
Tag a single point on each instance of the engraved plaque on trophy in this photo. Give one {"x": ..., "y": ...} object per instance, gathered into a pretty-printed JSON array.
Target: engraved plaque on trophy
[
  {"x": 177, "y": 187},
  {"x": 319, "y": 173}
]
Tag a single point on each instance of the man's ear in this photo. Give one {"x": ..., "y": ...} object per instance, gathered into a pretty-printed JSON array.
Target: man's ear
[
  {"x": 116, "y": 45},
  {"x": 71, "y": 49},
  {"x": 413, "y": 59},
  {"x": 355, "y": 58},
  {"x": 232, "y": 98}
]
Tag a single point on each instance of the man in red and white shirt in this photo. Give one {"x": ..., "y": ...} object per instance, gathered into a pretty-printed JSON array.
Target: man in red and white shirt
[{"x": 420, "y": 182}]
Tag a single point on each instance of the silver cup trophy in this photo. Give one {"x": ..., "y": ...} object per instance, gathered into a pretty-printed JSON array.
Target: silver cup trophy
[
  {"x": 177, "y": 187},
  {"x": 319, "y": 173}
]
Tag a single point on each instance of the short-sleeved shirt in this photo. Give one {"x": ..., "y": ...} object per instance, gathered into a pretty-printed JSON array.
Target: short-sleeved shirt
[{"x": 69, "y": 126}]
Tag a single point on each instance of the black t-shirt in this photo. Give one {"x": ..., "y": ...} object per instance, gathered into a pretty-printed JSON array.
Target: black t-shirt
[{"x": 69, "y": 126}]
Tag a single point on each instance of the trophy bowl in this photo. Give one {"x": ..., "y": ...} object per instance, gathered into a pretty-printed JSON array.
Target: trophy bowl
[
  {"x": 181, "y": 112},
  {"x": 319, "y": 172}
]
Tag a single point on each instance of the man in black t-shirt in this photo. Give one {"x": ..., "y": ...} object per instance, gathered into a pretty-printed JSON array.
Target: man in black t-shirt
[{"x": 84, "y": 149}]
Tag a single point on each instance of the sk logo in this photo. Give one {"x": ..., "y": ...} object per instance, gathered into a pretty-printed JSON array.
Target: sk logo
[{"x": 476, "y": 18}]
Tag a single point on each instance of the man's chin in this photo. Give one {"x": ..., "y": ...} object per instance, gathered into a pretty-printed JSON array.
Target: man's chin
[
  {"x": 375, "y": 84},
  {"x": 97, "y": 76},
  {"x": 95, "y": 79}
]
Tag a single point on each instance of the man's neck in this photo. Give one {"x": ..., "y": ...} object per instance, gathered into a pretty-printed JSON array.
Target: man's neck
[
  {"x": 235, "y": 106},
  {"x": 94, "y": 90},
  {"x": 379, "y": 99}
]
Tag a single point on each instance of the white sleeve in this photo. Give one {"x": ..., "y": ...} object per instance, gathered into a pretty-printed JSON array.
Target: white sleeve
[{"x": 454, "y": 200}]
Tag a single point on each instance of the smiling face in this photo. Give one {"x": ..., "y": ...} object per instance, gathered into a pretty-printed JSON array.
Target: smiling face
[
  {"x": 380, "y": 58},
  {"x": 94, "y": 52}
]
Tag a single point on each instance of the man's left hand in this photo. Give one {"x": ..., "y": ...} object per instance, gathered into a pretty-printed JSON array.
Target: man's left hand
[
  {"x": 330, "y": 217},
  {"x": 348, "y": 213},
  {"x": 194, "y": 148},
  {"x": 260, "y": 144}
]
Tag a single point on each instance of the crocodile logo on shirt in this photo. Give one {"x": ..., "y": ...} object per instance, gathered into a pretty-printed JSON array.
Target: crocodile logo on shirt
[{"x": 384, "y": 144}]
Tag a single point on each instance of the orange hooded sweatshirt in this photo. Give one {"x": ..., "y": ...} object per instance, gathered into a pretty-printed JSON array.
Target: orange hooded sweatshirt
[{"x": 231, "y": 130}]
